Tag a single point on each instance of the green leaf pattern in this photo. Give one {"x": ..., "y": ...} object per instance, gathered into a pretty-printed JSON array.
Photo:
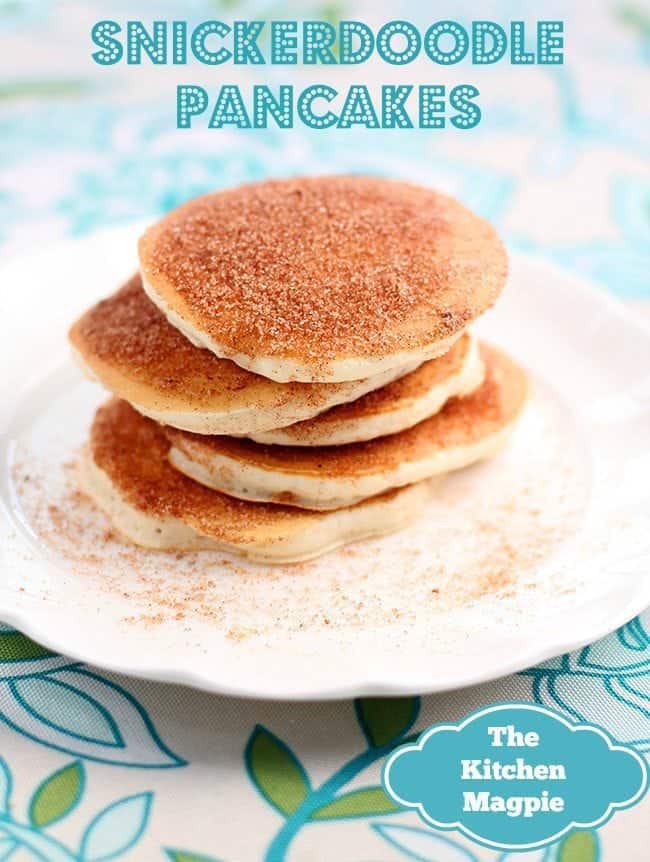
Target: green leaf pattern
[
  {"x": 384, "y": 720},
  {"x": 57, "y": 795},
  {"x": 275, "y": 771},
  {"x": 186, "y": 856},
  {"x": 365, "y": 802},
  {"x": 15, "y": 646},
  {"x": 578, "y": 846}
]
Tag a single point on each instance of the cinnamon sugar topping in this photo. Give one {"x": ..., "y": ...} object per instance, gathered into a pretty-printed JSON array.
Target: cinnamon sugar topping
[
  {"x": 131, "y": 347},
  {"x": 398, "y": 393},
  {"x": 461, "y": 422},
  {"x": 324, "y": 267},
  {"x": 132, "y": 451}
]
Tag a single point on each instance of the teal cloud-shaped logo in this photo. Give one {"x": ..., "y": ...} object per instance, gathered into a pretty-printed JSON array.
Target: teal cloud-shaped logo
[{"x": 515, "y": 776}]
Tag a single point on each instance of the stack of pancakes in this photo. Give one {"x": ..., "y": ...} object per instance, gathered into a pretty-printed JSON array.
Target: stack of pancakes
[{"x": 291, "y": 365}]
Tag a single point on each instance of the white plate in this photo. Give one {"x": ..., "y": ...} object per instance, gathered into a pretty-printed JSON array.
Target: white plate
[{"x": 540, "y": 551}]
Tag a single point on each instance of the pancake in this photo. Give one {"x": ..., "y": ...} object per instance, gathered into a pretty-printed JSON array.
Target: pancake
[
  {"x": 126, "y": 343},
  {"x": 126, "y": 472},
  {"x": 323, "y": 279},
  {"x": 464, "y": 431},
  {"x": 394, "y": 407}
]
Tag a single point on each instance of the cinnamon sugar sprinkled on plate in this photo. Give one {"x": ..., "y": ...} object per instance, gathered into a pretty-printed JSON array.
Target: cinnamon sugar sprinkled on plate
[{"x": 480, "y": 549}]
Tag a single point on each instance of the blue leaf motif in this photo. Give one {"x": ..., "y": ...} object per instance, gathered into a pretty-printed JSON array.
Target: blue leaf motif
[
  {"x": 551, "y": 664},
  {"x": 543, "y": 855},
  {"x": 626, "y": 651},
  {"x": 423, "y": 845},
  {"x": 634, "y": 636},
  {"x": 631, "y": 204},
  {"x": 116, "y": 829},
  {"x": 634, "y": 692},
  {"x": 37, "y": 844},
  {"x": 592, "y": 699},
  {"x": 490, "y": 194},
  {"x": 42, "y": 696},
  {"x": 6, "y": 785},
  {"x": 622, "y": 269},
  {"x": 82, "y": 713},
  {"x": 606, "y": 683},
  {"x": 7, "y": 848},
  {"x": 15, "y": 670}
]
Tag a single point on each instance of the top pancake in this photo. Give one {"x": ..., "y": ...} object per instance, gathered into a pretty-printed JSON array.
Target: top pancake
[
  {"x": 129, "y": 345},
  {"x": 323, "y": 278}
]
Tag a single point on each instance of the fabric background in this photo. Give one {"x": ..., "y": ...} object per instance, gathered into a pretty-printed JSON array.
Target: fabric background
[{"x": 100, "y": 767}]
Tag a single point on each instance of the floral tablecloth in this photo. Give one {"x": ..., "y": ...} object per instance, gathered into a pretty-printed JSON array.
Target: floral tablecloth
[{"x": 96, "y": 767}]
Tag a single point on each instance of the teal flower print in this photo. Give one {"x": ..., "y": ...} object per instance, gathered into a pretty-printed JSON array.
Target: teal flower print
[
  {"x": 110, "y": 834},
  {"x": 60, "y": 704},
  {"x": 607, "y": 683}
]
